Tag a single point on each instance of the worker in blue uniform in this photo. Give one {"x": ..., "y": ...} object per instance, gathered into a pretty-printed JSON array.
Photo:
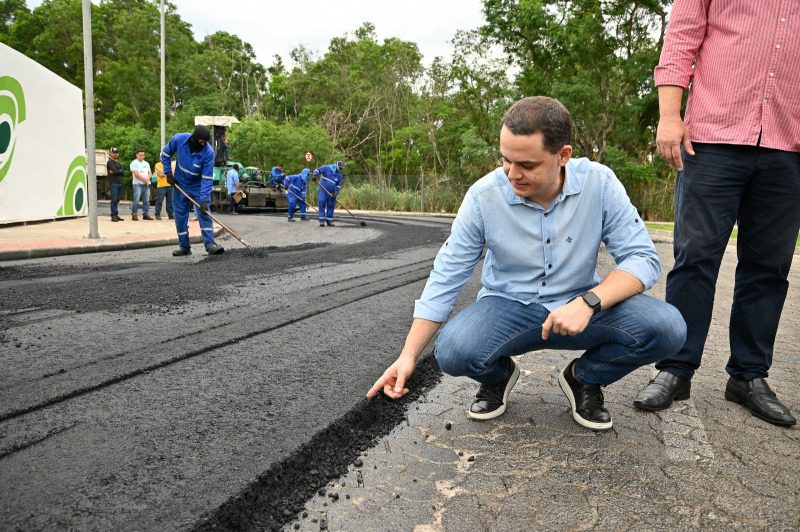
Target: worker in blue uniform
[
  {"x": 295, "y": 186},
  {"x": 194, "y": 173},
  {"x": 330, "y": 184},
  {"x": 276, "y": 176}
]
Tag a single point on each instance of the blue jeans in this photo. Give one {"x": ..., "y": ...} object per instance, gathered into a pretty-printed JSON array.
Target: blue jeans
[
  {"x": 721, "y": 185},
  {"x": 116, "y": 194},
  {"x": 161, "y": 194},
  {"x": 477, "y": 342},
  {"x": 143, "y": 192}
]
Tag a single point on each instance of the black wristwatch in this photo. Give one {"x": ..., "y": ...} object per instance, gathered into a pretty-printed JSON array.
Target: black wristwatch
[{"x": 592, "y": 300}]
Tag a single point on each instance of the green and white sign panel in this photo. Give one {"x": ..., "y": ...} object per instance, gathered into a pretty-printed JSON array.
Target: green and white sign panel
[{"x": 42, "y": 145}]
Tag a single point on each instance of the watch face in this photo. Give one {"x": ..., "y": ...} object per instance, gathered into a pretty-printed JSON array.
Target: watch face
[{"x": 592, "y": 300}]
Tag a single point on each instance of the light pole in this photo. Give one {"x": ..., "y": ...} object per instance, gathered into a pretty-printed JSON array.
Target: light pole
[
  {"x": 88, "y": 74},
  {"x": 163, "y": 112}
]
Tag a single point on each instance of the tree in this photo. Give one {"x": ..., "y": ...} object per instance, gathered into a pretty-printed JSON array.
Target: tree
[
  {"x": 225, "y": 76},
  {"x": 10, "y": 12},
  {"x": 52, "y": 35},
  {"x": 260, "y": 142},
  {"x": 596, "y": 56}
]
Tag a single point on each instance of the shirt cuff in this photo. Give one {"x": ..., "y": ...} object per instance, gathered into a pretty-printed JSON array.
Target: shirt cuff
[
  {"x": 662, "y": 77},
  {"x": 642, "y": 270},
  {"x": 428, "y": 310}
]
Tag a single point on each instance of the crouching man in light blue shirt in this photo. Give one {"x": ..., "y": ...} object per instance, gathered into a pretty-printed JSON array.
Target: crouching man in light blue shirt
[{"x": 542, "y": 218}]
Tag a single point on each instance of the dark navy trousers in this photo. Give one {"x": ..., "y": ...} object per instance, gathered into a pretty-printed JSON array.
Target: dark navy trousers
[{"x": 758, "y": 189}]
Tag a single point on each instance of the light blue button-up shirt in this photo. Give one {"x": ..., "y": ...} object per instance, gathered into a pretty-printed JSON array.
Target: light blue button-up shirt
[
  {"x": 232, "y": 181},
  {"x": 537, "y": 255}
]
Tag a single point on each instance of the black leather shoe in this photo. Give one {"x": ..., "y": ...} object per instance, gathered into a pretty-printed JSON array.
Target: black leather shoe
[
  {"x": 586, "y": 401},
  {"x": 661, "y": 391},
  {"x": 490, "y": 401},
  {"x": 760, "y": 400},
  {"x": 181, "y": 252},
  {"x": 215, "y": 249}
]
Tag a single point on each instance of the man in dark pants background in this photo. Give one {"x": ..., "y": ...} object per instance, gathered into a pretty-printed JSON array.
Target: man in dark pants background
[
  {"x": 738, "y": 156},
  {"x": 115, "y": 175}
]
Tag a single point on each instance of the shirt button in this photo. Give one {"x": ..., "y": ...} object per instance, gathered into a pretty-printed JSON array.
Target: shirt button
[
  {"x": 544, "y": 283},
  {"x": 772, "y": 74},
  {"x": 545, "y": 215},
  {"x": 550, "y": 266},
  {"x": 783, "y": 19},
  {"x": 548, "y": 241},
  {"x": 777, "y": 46},
  {"x": 766, "y": 100}
]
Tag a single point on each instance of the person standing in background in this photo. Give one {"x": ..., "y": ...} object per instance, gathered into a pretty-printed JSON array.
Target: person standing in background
[
  {"x": 164, "y": 190},
  {"x": 115, "y": 176},
  {"x": 140, "y": 170},
  {"x": 233, "y": 186}
]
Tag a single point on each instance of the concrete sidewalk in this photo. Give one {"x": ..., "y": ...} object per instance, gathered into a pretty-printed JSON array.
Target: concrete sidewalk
[{"x": 71, "y": 236}]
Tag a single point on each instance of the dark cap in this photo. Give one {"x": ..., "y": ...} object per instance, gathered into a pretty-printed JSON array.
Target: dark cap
[
  {"x": 201, "y": 133},
  {"x": 114, "y": 150}
]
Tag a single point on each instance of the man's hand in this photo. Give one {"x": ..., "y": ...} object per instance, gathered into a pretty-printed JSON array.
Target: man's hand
[
  {"x": 393, "y": 380},
  {"x": 171, "y": 179},
  {"x": 568, "y": 320},
  {"x": 670, "y": 135},
  {"x": 204, "y": 207}
]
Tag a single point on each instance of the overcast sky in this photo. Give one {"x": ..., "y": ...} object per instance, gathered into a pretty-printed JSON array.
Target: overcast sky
[{"x": 277, "y": 27}]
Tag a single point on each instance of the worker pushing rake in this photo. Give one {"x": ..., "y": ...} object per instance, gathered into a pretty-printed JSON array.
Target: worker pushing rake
[
  {"x": 330, "y": 184},
  {"x": 193, "y": 178}
]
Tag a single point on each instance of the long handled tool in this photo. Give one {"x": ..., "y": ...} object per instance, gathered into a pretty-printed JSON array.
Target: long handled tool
[
  {"x": 360, "y": 222},
  {"x": 301, "y": 199},
  {"x": 228, "y": 229}
]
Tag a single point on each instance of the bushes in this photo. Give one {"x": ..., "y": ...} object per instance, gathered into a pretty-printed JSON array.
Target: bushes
[{"x": 369, "y": 197}]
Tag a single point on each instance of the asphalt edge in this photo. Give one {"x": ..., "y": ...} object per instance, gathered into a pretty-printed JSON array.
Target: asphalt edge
[
  {"x": 279, "y": 494},
  {"x": 39, "y": 253}
]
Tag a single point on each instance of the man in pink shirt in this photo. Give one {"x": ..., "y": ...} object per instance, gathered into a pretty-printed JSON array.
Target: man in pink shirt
[{"x": 737, "y": 152}]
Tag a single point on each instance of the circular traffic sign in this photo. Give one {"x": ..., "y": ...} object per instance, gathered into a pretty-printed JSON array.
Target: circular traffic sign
[{"x": 309, "y": 156}]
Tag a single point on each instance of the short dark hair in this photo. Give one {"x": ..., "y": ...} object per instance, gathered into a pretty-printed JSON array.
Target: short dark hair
[
  {"x": 540, "y": 114},
  {"x": 139, "y": 151}
]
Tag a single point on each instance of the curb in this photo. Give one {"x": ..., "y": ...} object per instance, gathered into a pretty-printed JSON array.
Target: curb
[{"x": 39, "y": 253}]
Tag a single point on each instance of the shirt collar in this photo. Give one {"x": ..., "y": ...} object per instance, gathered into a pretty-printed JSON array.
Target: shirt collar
[{"x": 572, "y": 185}]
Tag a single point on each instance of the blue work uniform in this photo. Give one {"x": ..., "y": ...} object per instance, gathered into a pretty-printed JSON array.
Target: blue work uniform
[
  {"x": 295, "y": 186},
  {"x": 330, "y": 184},
  {"x": 194, "y": 173},
  {"x": 276, "y": 177}
]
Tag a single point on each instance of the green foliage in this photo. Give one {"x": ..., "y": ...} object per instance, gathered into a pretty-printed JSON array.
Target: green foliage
[
  {"x": 595, "y": 56},
  {"x": 367, "y": 196},
  {"x": 260, "y": 142},
  {"x": 628, "y": 171},
  {"x": 372, "y": 102},
  {"x": 129, "y": 139}
]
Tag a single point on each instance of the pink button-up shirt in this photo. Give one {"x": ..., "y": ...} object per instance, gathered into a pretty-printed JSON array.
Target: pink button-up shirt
[{"x": 746, "y": 76}]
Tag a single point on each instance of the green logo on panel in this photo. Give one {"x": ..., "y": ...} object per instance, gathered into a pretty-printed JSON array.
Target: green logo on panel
[
  {"x": 12, "y": 112},
  {"x": 74, "y": 188}
]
